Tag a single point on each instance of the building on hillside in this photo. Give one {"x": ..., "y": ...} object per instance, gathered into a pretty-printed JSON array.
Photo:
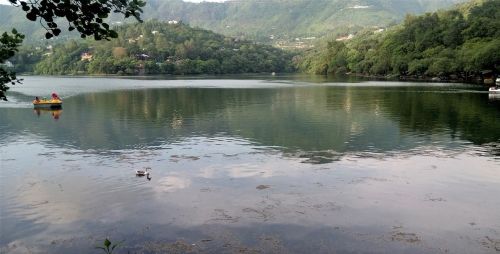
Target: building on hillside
[
  {"x": 142, "y": 57},
  {"x": 488, "y": 77},
  {"x": 359, "y": 7},
  {"x": 7, "y": 64},
  {"x": 345, "y": 38},
  {"x": 86, "y": 56}
]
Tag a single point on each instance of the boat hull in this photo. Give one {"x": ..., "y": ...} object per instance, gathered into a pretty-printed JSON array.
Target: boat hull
[
  {"x": 50, "y": 104},
  {"x": 494, "y": 90}
]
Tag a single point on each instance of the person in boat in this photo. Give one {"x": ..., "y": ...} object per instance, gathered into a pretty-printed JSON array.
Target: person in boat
[
  {"x": 37, "y": 100},
  {"x": 55, "y": 97}
]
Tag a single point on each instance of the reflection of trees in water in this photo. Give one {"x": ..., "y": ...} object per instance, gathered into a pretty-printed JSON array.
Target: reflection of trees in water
[
  {"x": 318, "y": 123},
  {"x": 468, "y": 116}
]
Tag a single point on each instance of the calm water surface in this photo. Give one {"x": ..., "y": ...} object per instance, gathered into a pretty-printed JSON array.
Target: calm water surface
[{"x": 250, "y": 165}]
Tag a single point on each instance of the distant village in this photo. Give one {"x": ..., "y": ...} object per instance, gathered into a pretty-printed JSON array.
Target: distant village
[{"x": 309, "y": 42}]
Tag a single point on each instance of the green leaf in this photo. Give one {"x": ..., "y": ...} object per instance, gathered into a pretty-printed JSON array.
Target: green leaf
[
  {"x": 113, "y": 34},
  {"x": 31, "y": 16},
  {"x": 102, "y": 15},
  {"x": 107, "y": 243}
]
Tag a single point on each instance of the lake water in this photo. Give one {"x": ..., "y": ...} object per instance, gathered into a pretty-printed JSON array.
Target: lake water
[{"x": 250, "y": 165}]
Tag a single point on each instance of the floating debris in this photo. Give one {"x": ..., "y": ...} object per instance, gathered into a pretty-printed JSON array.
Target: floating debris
[{"x": 262, "y": 187}]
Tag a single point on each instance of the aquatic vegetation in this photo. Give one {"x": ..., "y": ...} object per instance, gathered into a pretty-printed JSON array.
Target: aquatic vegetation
[{"x": 107, "y": 246}]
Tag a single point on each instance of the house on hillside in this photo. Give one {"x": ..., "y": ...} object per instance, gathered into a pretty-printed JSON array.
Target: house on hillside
[
  {"x": 488, "y": 77},
  {"x": 7, "y": 64},
  {"x": 86, "y": 56},
  {"x": 142, "y": 57},
  {"x": 345, "y": 38}
]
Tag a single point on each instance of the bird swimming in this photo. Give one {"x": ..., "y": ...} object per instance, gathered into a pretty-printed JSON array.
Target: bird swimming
[{"x": 144, "y": 172}]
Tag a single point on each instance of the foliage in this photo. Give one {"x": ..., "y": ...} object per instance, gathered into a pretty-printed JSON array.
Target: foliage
[
  {"x": 87, "y": 17},
  {"x": 107, "y": 246},
  {"x": 9, "y": 44},
  {"x": 157, "y": 47},
  {"x": 455, "y": 42}
]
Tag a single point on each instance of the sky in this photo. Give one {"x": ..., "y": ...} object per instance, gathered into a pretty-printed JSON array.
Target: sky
[{"x": 195, "y": 1}]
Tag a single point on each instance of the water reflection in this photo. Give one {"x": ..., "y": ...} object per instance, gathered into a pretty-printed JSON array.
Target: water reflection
[
  {"x": 55, "y": 113},
  {"x": 320, "y": 123},
  {"x": 494, "y": 96},
  {"x": 285, "y": 169}
]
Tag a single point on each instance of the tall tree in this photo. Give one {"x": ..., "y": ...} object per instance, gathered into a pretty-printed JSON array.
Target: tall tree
[{"x": 85, "y": 16}]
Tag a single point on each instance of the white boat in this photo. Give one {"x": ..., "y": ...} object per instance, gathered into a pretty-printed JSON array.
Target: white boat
[{"x": 495, "y": 89}]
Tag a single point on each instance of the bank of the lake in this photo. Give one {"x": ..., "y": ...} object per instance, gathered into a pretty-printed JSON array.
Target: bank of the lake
[{"x": 461, "y": 44}]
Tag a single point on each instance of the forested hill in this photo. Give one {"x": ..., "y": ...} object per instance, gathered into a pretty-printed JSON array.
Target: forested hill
[
  {"x": 155, "y": 47},
  {"x": 292, "y": 18},
  {"x": 257, "y": 19},
  {"x": 456, "y": 44}
]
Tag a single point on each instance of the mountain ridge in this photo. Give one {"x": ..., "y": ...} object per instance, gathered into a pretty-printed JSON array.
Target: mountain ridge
[{"x": 263, "y": 20}]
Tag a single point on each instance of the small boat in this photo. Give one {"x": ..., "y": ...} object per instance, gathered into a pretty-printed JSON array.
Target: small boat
[
  {"x": 495, "y": 89},
  {"x": 54, "y": 103},
  {"x": 51, "y": 103}
]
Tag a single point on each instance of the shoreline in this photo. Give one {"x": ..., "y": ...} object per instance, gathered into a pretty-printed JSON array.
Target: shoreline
[
  {"x": 478, "y": 80},
  {"x": 347, "y": 77}
]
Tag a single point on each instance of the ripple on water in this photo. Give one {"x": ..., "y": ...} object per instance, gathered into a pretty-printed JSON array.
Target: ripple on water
[{"x": 288, "y": 168}]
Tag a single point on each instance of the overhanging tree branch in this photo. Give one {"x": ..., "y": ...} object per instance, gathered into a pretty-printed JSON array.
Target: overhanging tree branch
[
  {"x": 86, "y": 16},
  {"x": 8, "y": 48}
]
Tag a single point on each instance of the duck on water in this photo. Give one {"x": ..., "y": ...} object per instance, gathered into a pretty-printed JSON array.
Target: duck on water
[{"x": 144, "y": 172}]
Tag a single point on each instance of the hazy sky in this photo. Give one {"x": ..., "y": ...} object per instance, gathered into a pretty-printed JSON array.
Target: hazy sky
[{"x": 196, "y": 1}]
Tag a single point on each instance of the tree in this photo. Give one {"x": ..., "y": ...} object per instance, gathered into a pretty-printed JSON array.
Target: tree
[
  {"x": 86, "y": 16},
  {"x": 8, "y": 48}
]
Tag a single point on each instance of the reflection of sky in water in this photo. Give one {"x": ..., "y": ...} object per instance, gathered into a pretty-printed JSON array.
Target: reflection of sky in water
[
  {"x": 275, "y": 171},
  {"x": 212, "y": 184}
]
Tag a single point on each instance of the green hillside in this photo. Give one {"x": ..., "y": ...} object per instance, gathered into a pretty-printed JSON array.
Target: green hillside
[
  {"x": 456, "y": 44},
  {"x": 155, "y": 47},
  {"x": 290, "y": 18},
  {"x": 257, "y": 19}
]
